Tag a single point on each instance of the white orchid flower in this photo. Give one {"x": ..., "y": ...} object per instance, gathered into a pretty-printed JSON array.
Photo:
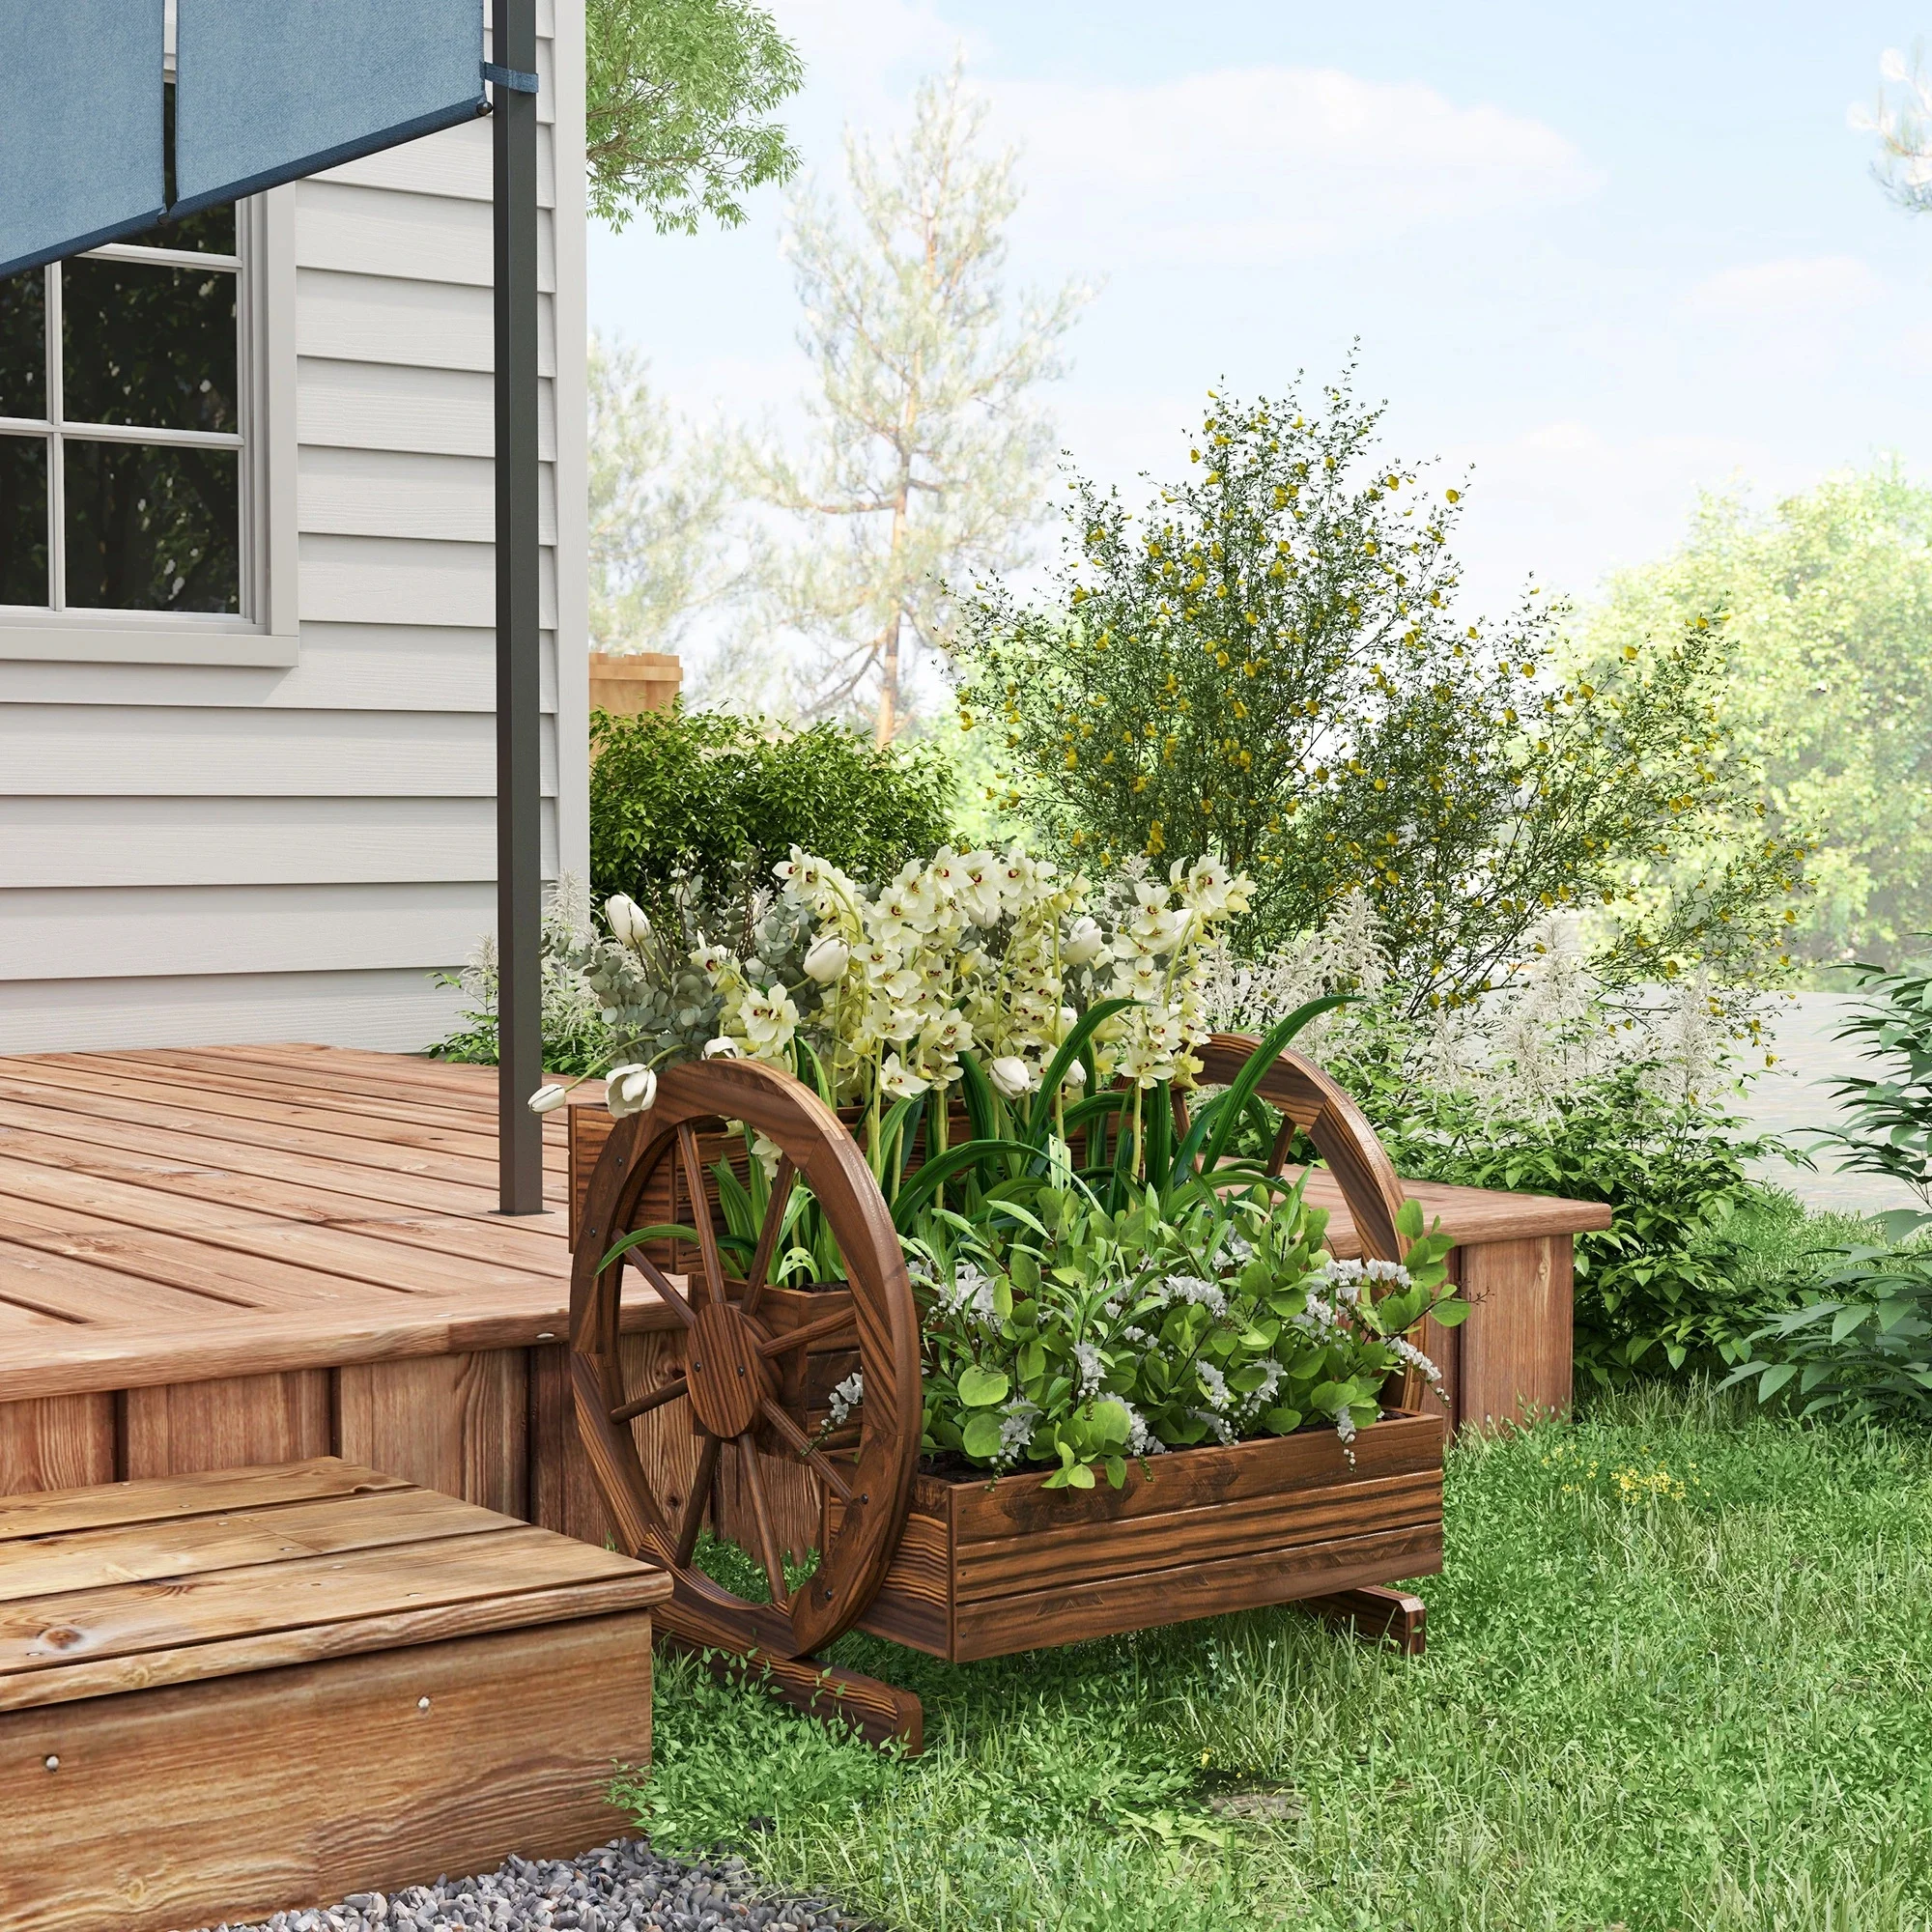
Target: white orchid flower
[
  {"x": 1083, "y": 943},
  {"x": 625, "y": 918},
  {"x": 898, "y": 1082},
  {"x": 827, "y": 958},
  {"x": 548, "y": 1100},
  {"x": 629, "y": 1090},
  {"x": 723, "y": 1047},
  {"x": 1011, "y": 1076}
]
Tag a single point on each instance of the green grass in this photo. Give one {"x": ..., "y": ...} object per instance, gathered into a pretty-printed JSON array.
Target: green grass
[{"x": 1678, "y": 1676}]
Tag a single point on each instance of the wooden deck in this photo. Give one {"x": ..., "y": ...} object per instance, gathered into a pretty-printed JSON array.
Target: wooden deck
[{"x": 241, "y": 1253}]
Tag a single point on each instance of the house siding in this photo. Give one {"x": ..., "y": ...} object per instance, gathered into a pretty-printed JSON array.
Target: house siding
[{"x": 192, "y": 853}]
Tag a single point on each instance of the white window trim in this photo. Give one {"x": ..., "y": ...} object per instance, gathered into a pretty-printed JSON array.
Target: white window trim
[{"x": 271, "y": 541}]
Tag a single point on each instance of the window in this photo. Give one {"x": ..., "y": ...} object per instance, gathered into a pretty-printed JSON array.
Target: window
[{"x": 122, "y": 423}]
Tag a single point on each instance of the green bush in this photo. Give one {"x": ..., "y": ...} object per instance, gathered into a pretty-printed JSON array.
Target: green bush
[
  {"x": 708, "y": 793},
  {"x": 1671, "y": 1286}
]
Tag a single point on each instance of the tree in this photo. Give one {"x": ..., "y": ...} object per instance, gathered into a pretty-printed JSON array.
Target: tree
[
  {"x": 1830, "y": 606},
  {"x": 658, "y": 506},
  {"x": 1266, "y": 664},
  {"x": 926, "y": 449},
  {"x": 1903, "y": 124},
  {"x": 675, "y": 94}
]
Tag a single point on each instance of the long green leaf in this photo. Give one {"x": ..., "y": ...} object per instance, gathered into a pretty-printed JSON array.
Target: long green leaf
[
  {"x": 930, "y": 1178},
  {"x": 1070, "y": 1050},
  {"x": 977, "y": 1094}
]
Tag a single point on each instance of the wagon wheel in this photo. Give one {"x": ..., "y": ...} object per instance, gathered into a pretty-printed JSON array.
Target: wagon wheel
[
  {"x": 732, "y": 1352},
  {"x": 1313, "y": 1104}
]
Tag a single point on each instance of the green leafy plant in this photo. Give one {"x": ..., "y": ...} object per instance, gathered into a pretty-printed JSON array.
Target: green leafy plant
[
  {"x": 1062, "y": 1334},
  {"x": 685, "y": 792},
  {"x": 1269, "y": 663},
  {"x": 1858, "y": 1346},
  {"x": 1666, "y": 1289},
  {"x": 1890, "y": 1116}
]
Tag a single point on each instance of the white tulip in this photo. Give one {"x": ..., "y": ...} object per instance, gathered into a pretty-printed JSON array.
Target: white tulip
[
  {"x": 625, "y": 918},
  {"x": 723, "y": 1047},
  {"x": 629, "y": 1090},
  {"x": 1083, "y": 942},
  {"x": 1011, "y": 1076},
  {"x": 548, "y": 1100},
  {"x": 827, "y": 958}
]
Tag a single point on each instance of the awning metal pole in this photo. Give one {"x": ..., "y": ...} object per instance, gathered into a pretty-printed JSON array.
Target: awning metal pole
[{"x": 519, "y": 692}]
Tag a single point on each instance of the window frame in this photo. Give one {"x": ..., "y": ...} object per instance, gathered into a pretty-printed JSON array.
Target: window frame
[{"x": 264, "y": 632}]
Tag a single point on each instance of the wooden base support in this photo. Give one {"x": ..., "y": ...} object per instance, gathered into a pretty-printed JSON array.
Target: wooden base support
[
  {"x": 1376, "y": 1614},
  {"x": 880, "y": 1712}
]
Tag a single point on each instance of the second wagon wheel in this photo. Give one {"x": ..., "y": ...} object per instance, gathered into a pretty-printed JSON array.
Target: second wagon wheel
[{"x": 733, "y": 1349}]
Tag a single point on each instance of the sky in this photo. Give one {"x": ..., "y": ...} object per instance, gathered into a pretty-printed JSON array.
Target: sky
[{"x": 1601, "y": 258}]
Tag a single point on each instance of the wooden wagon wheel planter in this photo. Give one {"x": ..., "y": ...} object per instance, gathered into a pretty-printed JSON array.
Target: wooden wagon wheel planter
[{"x": 960, "y": 1568}]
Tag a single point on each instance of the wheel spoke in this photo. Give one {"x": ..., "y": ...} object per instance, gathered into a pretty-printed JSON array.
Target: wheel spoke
[
  {"x": 694, "y": 1504},
  {"x": 679, "y": 1304},
  {"x": 768, "y": 1234},
  {"x": 828, "y": 1472},
  {"x": 700, "y": 1211},
  {"x": 825, "y": 1326},
  {"x": 645, "y": 1404},
  {"x": 761, "y": 1509}
]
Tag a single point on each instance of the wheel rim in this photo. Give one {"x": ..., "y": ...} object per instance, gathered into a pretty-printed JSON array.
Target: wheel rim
[{"x": 731, "y": 1352}]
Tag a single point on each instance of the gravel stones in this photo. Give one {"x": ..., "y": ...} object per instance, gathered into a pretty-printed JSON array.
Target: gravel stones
[{"x": 622, "y": 1887}]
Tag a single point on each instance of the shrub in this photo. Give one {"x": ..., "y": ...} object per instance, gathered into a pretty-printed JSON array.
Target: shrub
[
  {"x": 1892, "y": 1115},
  {"x": 1266, "y": 664},
  {"x": 708, "y": 791}
]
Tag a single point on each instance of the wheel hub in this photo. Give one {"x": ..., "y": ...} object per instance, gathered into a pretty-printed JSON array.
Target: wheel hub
[{"x": 729, "y": 1377}]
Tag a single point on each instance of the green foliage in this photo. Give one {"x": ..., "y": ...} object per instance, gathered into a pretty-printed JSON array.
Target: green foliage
[
  {"x": 675, "y": 94},
  {"x": 1653, "y": 1697},
  {"x": 706, "y": 793},
  {"x": 1669, "y": 1287},
  {"x": 1891, "y": 1131},
  {"x": 1063, "y": 1332},
  {"x": 1830, "y": 691},
  {"x": 1860, "y": 1344},
  {"x": 1267, "y": 666},
  {"x": 575, "y": 1036}
]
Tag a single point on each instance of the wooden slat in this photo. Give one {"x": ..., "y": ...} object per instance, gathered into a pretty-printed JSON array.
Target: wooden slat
[
  {"x": 1517, "y": 1347},
  {"x": 59, "y": 1442},
  {"x": 1471, "y": 1214},
  {"x": 179, "y": 1428},
  {"x": 208, "y": 1495},
  {"x": 232, "y": 1801},
  {"x": 370, "y": 1126},
  {"x": 66, "y": 1289},
  {"x": 459, "y": 1422},
  {"x": 298, "y": 1611},
  {"x": 186, "y": 1548},
  {"x": 1003, "y": 1625}
]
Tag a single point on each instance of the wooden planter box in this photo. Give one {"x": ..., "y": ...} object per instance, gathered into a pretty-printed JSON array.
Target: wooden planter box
[{"x": 984, "y": 1569}]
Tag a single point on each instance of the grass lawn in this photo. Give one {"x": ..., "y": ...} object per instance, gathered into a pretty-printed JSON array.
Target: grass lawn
[{"x": 1679, "y": 1675}]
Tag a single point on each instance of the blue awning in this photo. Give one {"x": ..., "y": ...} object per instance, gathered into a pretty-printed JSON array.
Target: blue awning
[
  {"x": 80, "y": 107},
  {"x": 267, "y": 91}
]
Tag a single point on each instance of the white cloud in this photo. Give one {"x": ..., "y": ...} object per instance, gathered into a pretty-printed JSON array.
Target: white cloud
[
  {"x": 1248, "y": 167},
  {"x": 1798, "y": 289}
]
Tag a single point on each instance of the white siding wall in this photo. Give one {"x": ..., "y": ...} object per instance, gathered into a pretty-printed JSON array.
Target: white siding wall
[{"x": 203, "y": 852}]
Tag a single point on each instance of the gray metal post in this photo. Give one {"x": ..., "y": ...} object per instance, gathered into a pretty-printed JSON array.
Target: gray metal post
[{"x": 519, "y": 717}]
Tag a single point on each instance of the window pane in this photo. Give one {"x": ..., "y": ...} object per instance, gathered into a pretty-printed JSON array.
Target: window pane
[
  {"x": 23, "y": 520},
  {"x": 152, "y": 528},
  {"x": 23, "y": 344},
  {"x": 147, "y": 346}
]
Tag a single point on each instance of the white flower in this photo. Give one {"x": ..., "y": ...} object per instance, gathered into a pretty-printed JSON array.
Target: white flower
[
  {"x": 547, "y": 1100},
  {"x": 847, "y": 1397},
  {"x": 723, "y": 1047},
  {"x": 1213, "y": 1384},
  {"x": 1091, "y": 1366},
  {"x": 629, "y": 1090},
  {"x": 1011, "y": 1076},
  {"x": 625, "y": 918},
  {"x": 896, "y": 1081},
  {"x": 1083, "y": 943},
  {"x": 827, "y": 958}
]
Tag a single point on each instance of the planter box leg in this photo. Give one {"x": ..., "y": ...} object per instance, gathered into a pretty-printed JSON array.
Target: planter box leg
[
  {"x": 878, "y": 1712},
  {"x": 1376, "y": 1616}
]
